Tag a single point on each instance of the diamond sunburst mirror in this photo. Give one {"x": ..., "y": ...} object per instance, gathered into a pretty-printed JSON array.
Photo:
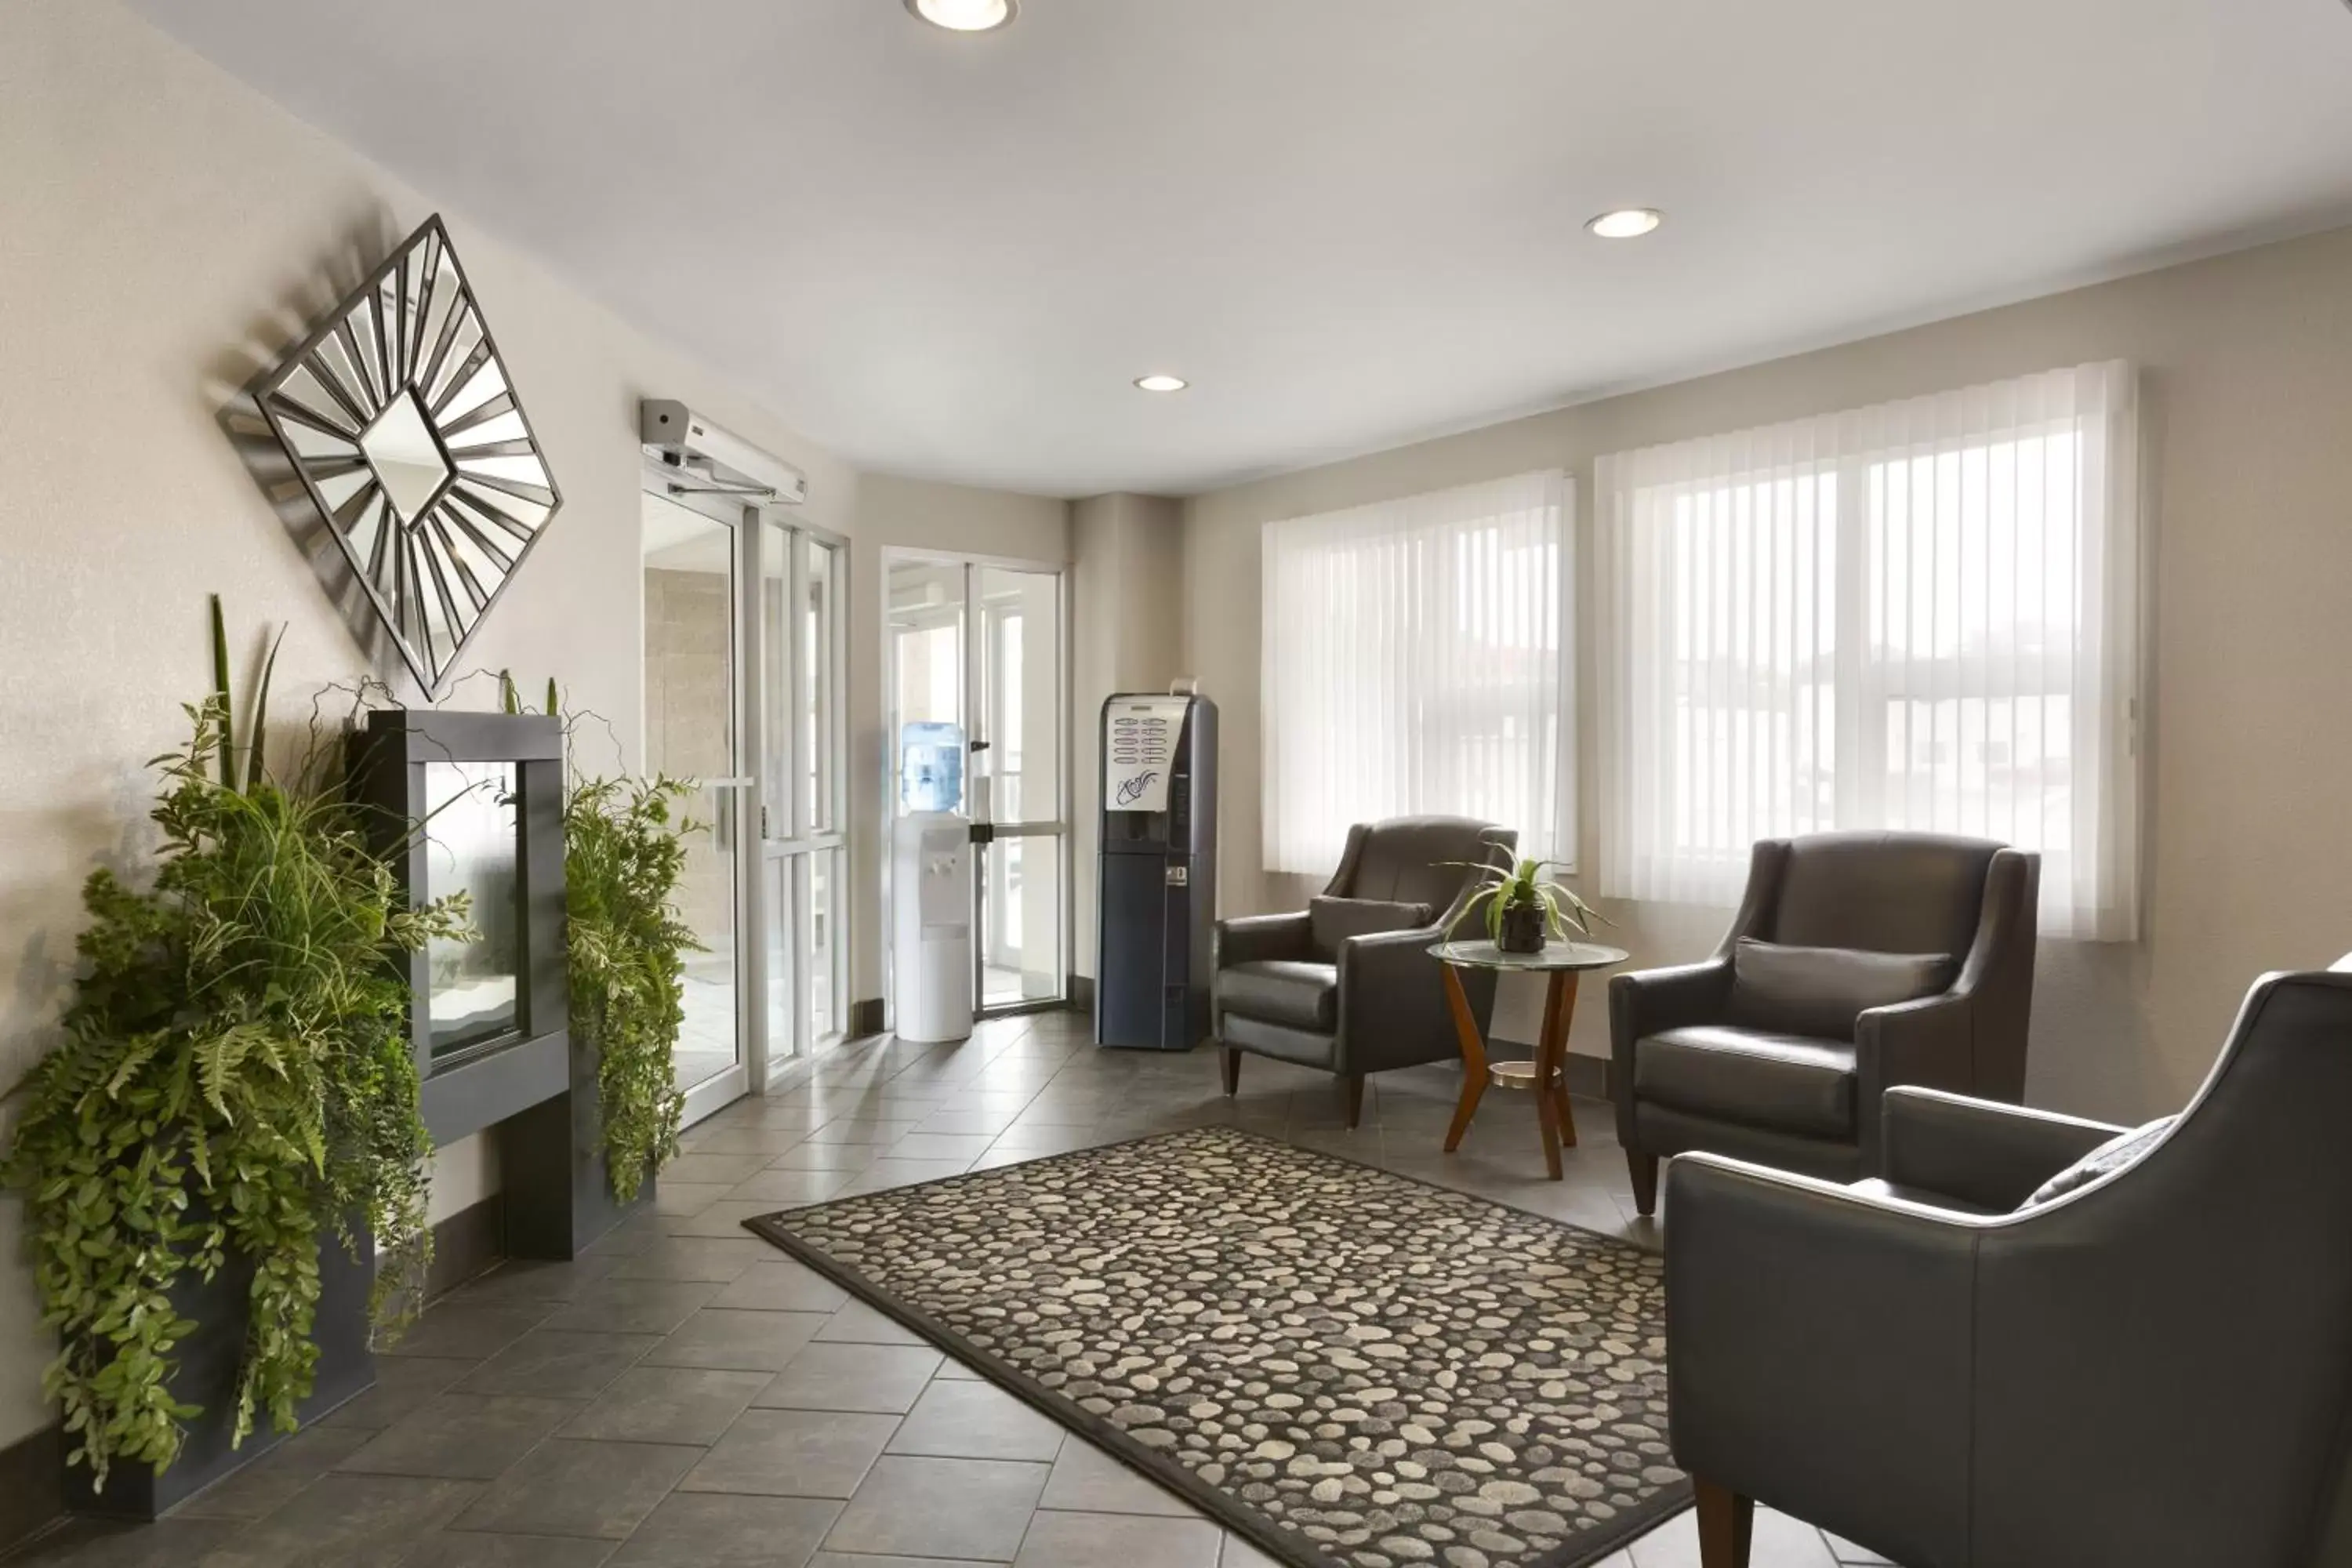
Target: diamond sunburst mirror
[{"x": 405, "y": 429}]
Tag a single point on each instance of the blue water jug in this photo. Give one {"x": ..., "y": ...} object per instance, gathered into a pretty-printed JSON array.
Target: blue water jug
[{"x": 930, "y": 767}]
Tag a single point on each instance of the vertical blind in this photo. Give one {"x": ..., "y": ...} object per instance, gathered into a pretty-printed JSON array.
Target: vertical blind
[
  {"x": 1920, "y": 615},
  {"x": 1415, "y": 659}
]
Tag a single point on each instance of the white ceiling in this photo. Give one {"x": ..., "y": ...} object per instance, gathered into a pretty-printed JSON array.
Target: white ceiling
[{"x": 1352, "y": 223}]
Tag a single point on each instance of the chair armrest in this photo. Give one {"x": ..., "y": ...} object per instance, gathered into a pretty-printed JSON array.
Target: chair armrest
[
  {"x": 1980, "y": 1151},
  {"x": 1392, "y": 1008},
  {"x": 1648, "y": 1000},
  {"x": 1260, "y": 939},
  {"x": 1820, "y": 1355},
  {"x": 1644, "y": 1001},
  {"x": 1930, "y": 1042}
]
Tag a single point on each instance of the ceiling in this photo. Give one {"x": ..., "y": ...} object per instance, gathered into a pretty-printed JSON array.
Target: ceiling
[{"x": 1350, "y": 223}]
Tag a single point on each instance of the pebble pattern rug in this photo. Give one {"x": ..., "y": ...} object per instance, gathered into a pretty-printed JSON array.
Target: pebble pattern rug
[{"x": 1346, "y": 1366}]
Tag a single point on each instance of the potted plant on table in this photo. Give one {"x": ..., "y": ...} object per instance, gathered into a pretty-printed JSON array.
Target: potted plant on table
[{"x": 1525, "y": 908}]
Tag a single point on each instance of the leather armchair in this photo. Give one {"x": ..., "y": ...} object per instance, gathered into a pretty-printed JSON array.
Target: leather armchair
[
  {"x": 2153, "y": 1370},
  {"x": 1686, "y": 1074},
  {"x": 1367, "y": 1002}
]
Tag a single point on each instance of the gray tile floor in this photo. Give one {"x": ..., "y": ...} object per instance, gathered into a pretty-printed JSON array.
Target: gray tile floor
[{"x": 685, "y": 1395}]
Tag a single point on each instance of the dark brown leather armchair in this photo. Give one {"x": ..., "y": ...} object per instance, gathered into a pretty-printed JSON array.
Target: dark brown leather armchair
[
  {"x": 1777, "y": 1054},
  {"x": 2152, "y": 1370},
  {"x": 1349, "y": 986}
]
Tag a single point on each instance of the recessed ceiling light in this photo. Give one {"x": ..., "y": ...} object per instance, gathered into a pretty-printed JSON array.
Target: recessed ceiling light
[
  {"x": 1626, "y": 223},
  {"x": 1161, "y": 383},
  {"x": 965, "y": 15}
]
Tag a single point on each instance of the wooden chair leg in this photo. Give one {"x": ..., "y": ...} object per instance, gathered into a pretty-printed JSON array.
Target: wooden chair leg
[
  {"x": 1233, "y": 1068},
  {"x": 1351, "y": 1095},
  {"x": 1726, "y": 1525},
  {"x": 1645, "y": 1180}
]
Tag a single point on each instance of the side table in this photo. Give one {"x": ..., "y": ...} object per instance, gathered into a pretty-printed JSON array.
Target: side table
[{"x": 1560, "y": 963}]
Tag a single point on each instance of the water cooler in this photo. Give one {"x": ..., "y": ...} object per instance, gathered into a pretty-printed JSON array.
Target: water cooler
[
  {"x": 931, "y": 887},
  {"x": 1157, "y": 890}
]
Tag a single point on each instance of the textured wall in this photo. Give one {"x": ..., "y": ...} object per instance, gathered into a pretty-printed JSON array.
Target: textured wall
[{"x": 2247, "y": 381}]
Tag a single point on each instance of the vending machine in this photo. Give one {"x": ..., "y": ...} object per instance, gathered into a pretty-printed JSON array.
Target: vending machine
[
  {"x": 931, "y": 887},
  {"x": 1156, "y": 873}
]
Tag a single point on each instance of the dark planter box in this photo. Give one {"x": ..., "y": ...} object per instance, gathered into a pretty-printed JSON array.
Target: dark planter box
[{"x": 207, "y": 1377}]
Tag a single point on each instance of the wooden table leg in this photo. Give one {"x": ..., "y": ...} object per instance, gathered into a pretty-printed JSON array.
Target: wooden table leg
[
  {"x": 1547, "y": 1105},
  {"x": 1555, "y": 1076},
  {"x": 1474, "y": 1058}
]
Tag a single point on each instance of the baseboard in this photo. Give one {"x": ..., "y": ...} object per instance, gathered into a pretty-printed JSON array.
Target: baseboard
[
  {"x": 1082, "y": 994},
  {"x": 466, "y": 1245},
  {"x": 1587, "y": 1077},
  {"x": 32, "y": 1485},
  {"x": 866, "y": 1017}
]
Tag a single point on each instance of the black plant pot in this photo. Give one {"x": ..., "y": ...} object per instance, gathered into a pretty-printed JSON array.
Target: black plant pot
[
  {"x": 1523, "y": 928},
  {"x": 207, "y": 1377}
]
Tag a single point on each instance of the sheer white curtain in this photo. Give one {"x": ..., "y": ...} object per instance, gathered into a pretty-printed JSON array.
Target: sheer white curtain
[
  {"x": 1922, "y": 615},
  {"x": 1415, "y": 659}
]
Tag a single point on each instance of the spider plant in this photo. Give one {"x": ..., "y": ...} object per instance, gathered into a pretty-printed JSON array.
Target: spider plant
[{"x": 1524, "y": 884}]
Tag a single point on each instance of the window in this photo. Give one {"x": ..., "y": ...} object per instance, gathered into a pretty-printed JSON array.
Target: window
[
  {"x": 1416, "y": 659},
  {"x": 1922, "y": 615}
]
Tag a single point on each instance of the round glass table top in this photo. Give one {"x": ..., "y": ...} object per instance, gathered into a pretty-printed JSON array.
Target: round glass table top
[{"x": 1554, "y": 956}]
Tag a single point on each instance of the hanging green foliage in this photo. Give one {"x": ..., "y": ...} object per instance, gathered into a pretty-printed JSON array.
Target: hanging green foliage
[
  {"x": 624, "y": 855},
  {"x": 236, "y": 1079}
]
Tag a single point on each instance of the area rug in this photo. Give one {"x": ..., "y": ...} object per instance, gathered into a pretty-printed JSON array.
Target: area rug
[{"x": 1344, "y": 1365}]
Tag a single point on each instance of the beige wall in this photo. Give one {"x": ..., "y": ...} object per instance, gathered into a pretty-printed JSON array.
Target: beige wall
[
  {"x": 2247, "y": 366},
  {"x": 1127, "y": 635}
]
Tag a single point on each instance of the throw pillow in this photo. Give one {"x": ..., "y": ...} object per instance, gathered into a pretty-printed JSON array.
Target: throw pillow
[
  {"x": 1819, "y": 991},
  {"x": 2112, "y": 1155},
  {"x": 1330, "y": 922}
]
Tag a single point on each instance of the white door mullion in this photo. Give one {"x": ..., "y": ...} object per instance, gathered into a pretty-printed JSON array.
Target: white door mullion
[
  {"x": 750, "y": 729},
  {"x": 798, "y": 683}
]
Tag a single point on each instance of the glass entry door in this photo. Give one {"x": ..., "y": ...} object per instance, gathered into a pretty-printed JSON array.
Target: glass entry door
[
  {"x": 692, "y": 731},
  {"x": 805, "y": 833},
  {"x": 1016, "y": 623},
  {"x": 979, "y": 644},
  {"x": 745, "y": 694}
]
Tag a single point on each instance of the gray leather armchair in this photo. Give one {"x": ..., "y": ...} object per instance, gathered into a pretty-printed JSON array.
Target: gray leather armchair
[
  {"x": 1749, "y": 1054},
  {"x": 2153, "y": 1370},
  {"x": 1349, "y": 986}
]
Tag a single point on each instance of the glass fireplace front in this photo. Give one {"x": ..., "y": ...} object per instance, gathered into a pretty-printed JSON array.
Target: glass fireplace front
[{"x": 473, "y": 844}]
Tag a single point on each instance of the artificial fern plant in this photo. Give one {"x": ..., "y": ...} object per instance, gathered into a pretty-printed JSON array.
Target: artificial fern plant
[
  {"x": 626, "y": 947},
  {"x": 235, "y": 1079}
]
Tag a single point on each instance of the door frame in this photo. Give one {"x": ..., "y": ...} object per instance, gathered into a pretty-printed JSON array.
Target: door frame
[
  {"x": 971, "y": 697},
  {"x": 731, "y": 1083},
  {"x": 749, "y": 520},
  {"x": 800, "y": 841}
]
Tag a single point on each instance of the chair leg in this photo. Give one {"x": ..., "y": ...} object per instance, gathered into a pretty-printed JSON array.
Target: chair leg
[
  {"x": 1645, "y": 1180},
  {"x": 1726, "y": 1524},
  {"x": 1233, "y": 1067},
  {"x": 1351, "y": 1095}
]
